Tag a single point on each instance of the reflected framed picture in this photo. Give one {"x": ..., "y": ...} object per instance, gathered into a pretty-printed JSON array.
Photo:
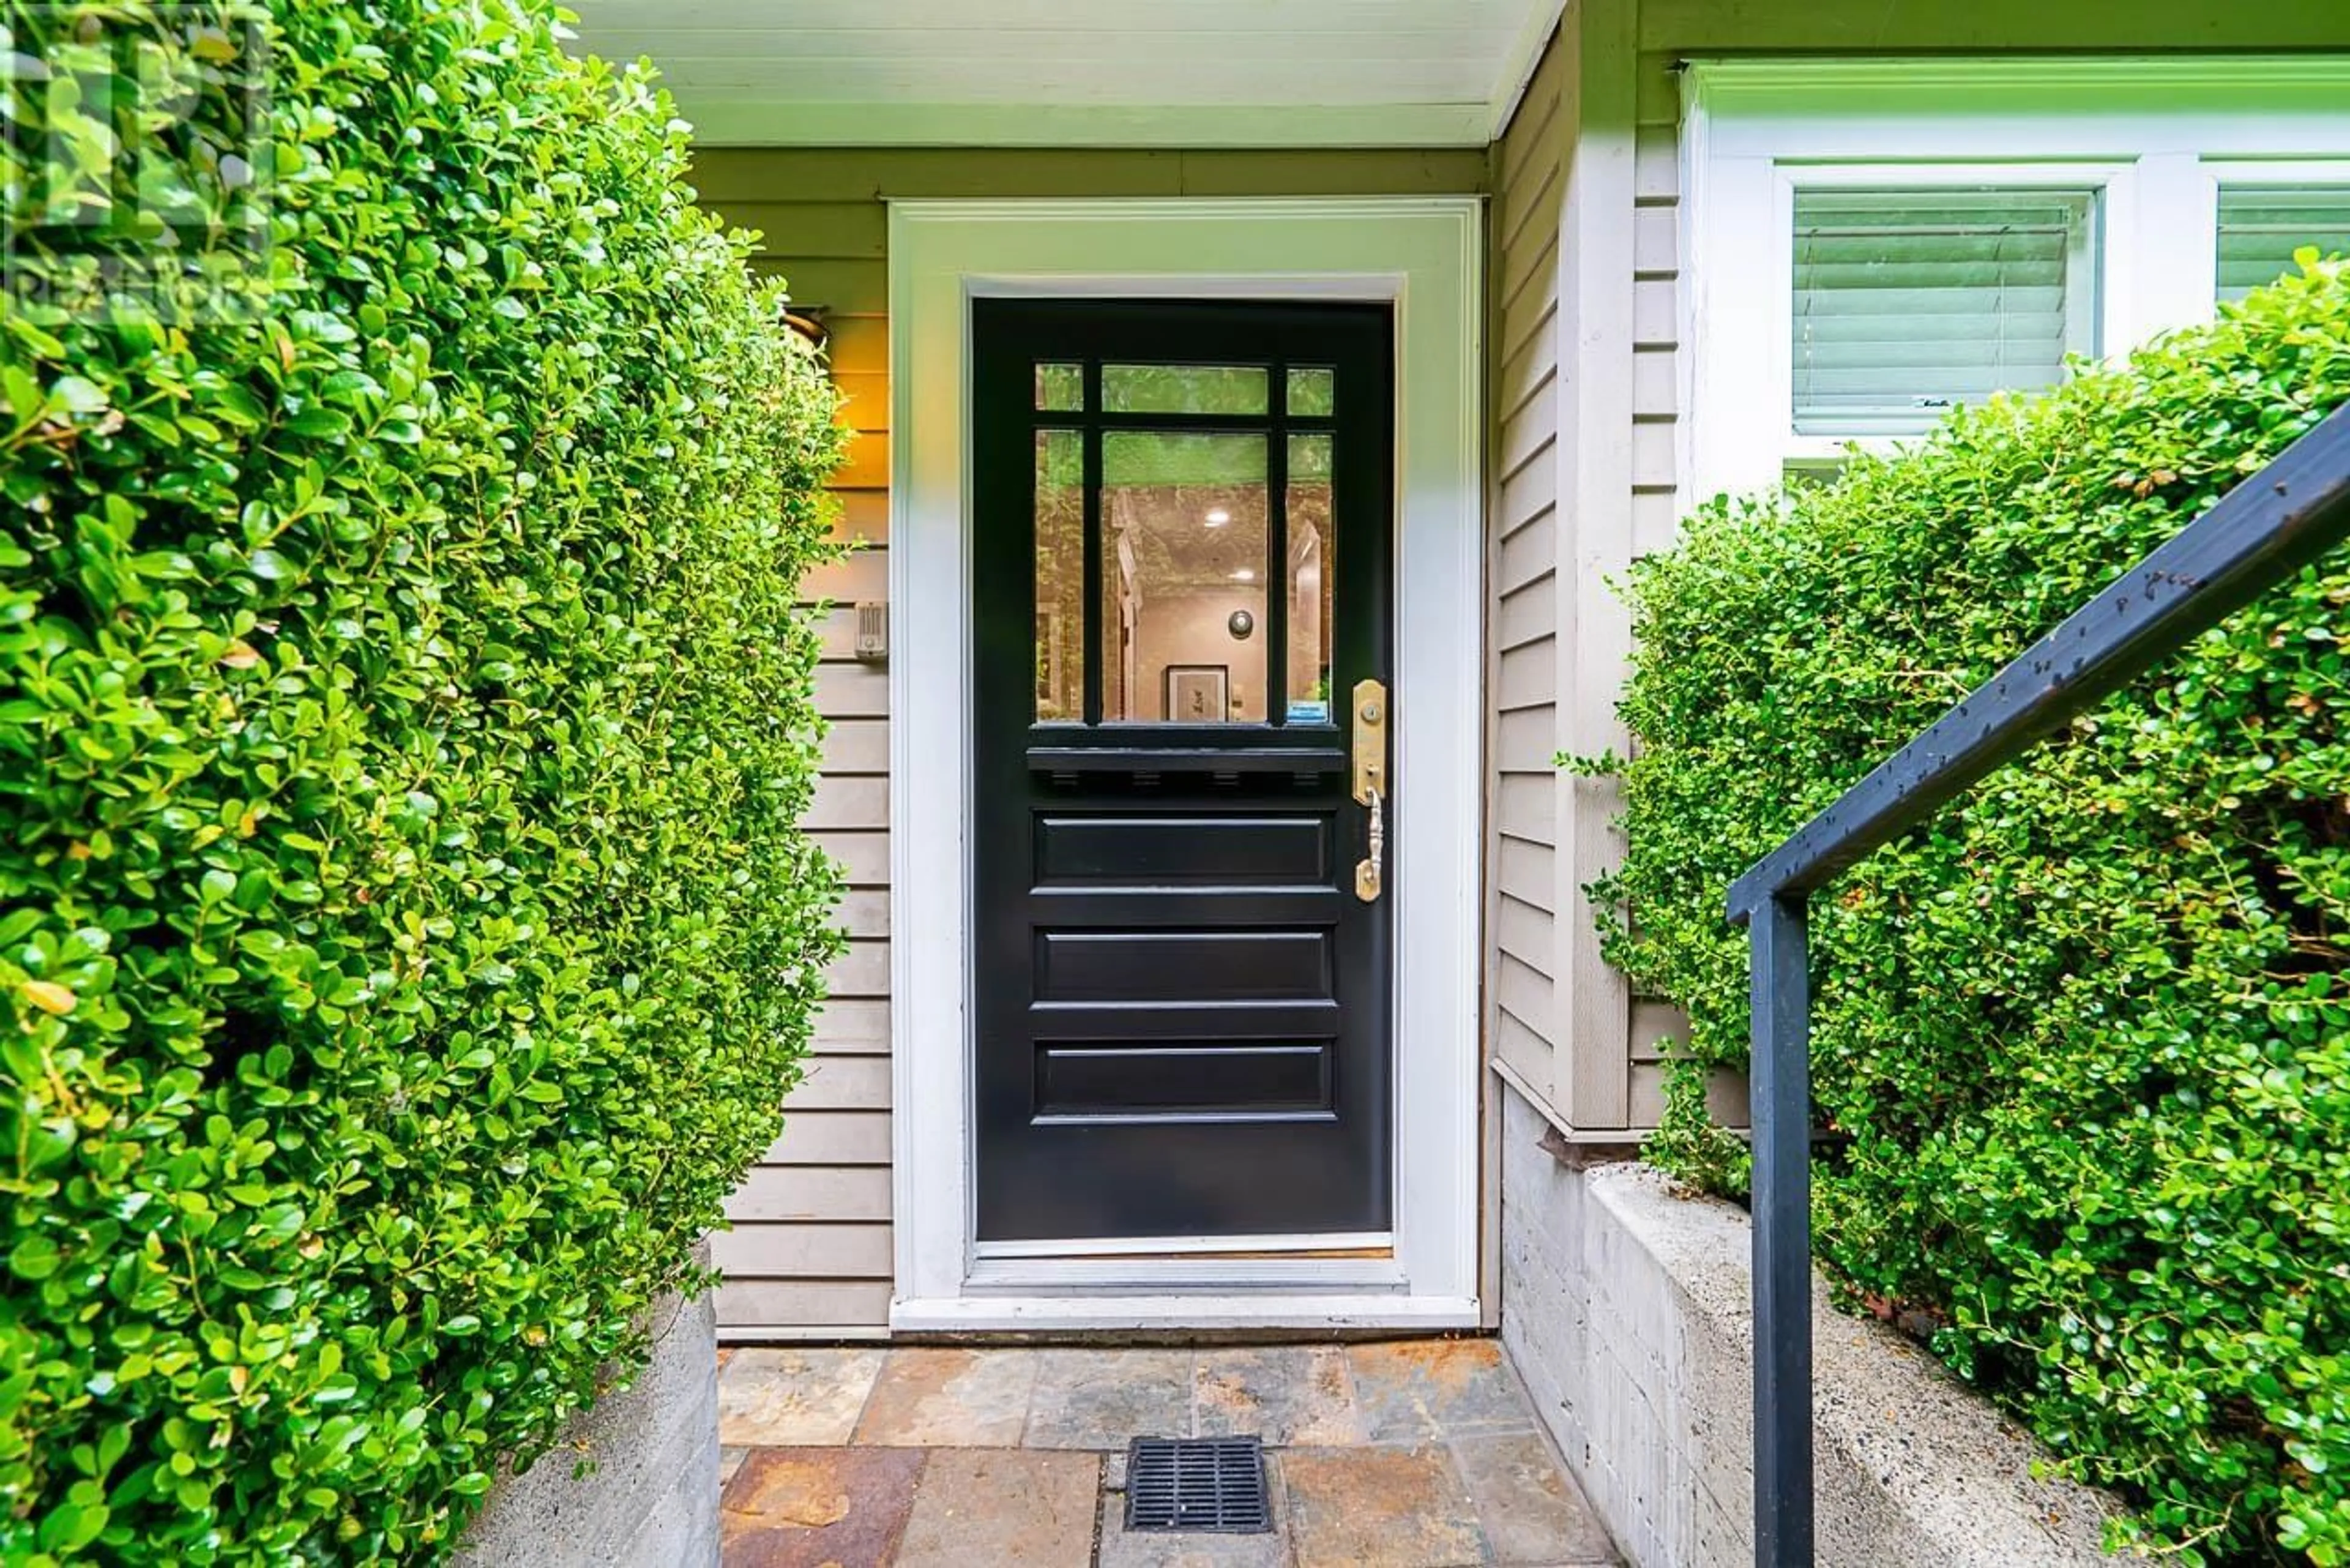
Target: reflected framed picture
[{"x": 1199, "y": 693}]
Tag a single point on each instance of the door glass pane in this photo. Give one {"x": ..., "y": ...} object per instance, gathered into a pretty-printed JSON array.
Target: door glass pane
[
  {"x": 1184, "y": 531},
  {"x": 2260, "y": 227},
  {"x": 1183, "y": 389},
  {"x": 1061, "y": 389},
  {"x": 1060, "y": 577},
  {"x": 1314, "y": 392},
  {"x": 1313, "y": 559}
]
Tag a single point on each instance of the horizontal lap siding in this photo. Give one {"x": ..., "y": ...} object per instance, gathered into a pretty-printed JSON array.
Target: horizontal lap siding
[
  {"x": 810, "y": 1253},
  {"x": 1523, "y": 578}
]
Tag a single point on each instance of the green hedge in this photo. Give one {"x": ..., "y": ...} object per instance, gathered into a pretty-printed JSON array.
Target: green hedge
[
  {"x": 404, "y": 935},
  {"x": 2085, "y": 1041}
]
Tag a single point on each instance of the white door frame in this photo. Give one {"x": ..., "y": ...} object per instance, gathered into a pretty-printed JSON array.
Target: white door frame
[{"x": 1423, "y": 256}]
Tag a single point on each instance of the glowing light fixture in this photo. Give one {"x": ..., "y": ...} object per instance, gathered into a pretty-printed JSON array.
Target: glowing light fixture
[
  {"x": 807, "y": 320},
  {"x": 1245, "y": 575},
  {"x": 1217, "y": 517}
]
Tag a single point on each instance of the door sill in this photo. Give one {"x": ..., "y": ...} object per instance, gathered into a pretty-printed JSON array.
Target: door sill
[
  {"x": 1190, "y": 1276},
  {"x": 1324, "y": 1244},
  {"x": 1312, "y": 1312}
]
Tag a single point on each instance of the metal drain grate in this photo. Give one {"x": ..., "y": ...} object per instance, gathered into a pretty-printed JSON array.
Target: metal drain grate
[{"x": 1197, "y": 1483}]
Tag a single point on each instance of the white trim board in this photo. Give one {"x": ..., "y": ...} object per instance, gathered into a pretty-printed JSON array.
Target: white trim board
[
  {"x": 1226, "y": 1278},
  {"x": 1107, "y": 1313},
  {"x": 2153, "y": 138},
  {"x": 1424, "y": 255},
  {"x": 1162, "y": 1246},
  {"x": 2094, "y": 104}
]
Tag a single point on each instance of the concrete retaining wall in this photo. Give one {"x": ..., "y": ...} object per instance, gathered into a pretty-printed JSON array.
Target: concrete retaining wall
[
  {"x": 1625, "y": 1309},
  {"x": 651, "y": 1500}
]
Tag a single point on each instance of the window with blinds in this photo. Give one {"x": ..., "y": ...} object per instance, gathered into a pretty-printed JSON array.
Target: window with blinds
[
  {"x": 2261, "y": 226},
  {"x": 1909, "y": 303}
]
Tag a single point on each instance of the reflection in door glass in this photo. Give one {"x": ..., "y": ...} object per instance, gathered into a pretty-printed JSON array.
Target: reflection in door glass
[
  {"x": 1183, "y": 519},
  {"x": 1313, "y": 557},
  {"x": 1061, "y": 389},
  {"x": 1314, "y": 392},
  {"x": 1060, "y": 577},
  {"x": 1183, "y": 389}
]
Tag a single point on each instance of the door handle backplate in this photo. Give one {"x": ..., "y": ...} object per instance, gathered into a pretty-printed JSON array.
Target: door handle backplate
[{"x": 1370, "y": 782}]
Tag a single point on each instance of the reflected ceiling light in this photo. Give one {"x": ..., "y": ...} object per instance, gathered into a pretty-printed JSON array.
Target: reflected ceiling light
[
  {"x": 1245, "y": 575},
  {"x": 1217, "y": 517}
]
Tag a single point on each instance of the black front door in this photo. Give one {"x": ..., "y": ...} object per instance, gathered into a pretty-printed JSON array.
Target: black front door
[{"x": 1182, "y": 582}]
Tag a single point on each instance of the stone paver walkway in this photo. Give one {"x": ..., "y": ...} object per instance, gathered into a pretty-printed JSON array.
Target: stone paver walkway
[{"x": 1406, "y": 1454}]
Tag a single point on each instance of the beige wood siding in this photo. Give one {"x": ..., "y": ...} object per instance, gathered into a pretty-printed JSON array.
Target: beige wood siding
[
  {"x": 1608, "y": 105},
  {"x": 810, "y": 1253},
  {"x": 1523, "y": 579},
  {"x": 1568, "y": 334}
]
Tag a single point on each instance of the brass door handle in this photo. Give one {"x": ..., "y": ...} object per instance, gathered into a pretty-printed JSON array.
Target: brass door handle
[{"x": 1370, "y": 771}]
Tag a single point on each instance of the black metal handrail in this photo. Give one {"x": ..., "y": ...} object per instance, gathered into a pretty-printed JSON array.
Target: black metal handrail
[{"x": 2259, "y": 533}]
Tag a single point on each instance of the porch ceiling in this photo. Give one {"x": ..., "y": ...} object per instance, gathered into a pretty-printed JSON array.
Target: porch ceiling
[{"x": 1089, "y": 72}]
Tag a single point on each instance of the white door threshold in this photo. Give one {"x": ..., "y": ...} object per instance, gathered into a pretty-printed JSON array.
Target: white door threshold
[
  {"x": 1191, "y": 1277},
  {"x": 1325, "y": 1242},
  {"x": 1040, "y": 1314}
]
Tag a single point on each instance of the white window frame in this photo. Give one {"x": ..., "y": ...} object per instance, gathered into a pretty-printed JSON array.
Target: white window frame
[
  {"x": 2154, "y": 137},
  {"x": 1422, "y": 255},
  {"x": 2112, "y": 190}
]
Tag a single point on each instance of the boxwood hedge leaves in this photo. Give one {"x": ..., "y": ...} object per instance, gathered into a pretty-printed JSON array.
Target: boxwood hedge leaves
[
  {"x": 405, "y": 938},
  {"x": 2085, "y": 1041}
]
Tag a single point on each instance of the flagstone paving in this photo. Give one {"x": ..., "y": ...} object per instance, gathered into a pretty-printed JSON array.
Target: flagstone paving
[{"x": 1404, "y": 1454}]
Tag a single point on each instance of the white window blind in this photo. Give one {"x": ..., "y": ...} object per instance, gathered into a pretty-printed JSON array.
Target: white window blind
[
  {"x": 1909, "y": 303},
  {"x": 2261, "y": 226}
]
